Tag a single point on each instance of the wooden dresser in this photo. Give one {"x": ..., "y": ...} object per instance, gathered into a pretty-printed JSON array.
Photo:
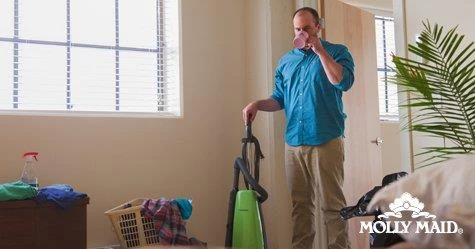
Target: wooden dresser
[{"x": 28, "y": 225}]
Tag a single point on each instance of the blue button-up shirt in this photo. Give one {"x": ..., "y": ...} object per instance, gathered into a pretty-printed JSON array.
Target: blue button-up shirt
[{"x": 313, "y": 105}]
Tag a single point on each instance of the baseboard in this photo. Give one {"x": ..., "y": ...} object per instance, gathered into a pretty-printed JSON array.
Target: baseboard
[{"x": 107, "y": 247}]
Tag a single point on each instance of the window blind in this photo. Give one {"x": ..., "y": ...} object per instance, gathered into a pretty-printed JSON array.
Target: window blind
[
  {"x": 90, "y": 56},
  {"x": 385, "y": 46}
]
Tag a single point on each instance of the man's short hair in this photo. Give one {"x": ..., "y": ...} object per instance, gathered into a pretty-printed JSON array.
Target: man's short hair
[{"x": 312, "y": 11}]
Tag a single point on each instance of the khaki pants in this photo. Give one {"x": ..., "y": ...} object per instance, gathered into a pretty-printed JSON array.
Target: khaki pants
[{"x": 315, "y": 179}]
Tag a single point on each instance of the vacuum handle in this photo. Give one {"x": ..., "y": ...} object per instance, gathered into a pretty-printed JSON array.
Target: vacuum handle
[
  {"x": 262, "y": 193},
  {"x": 359, "y": 209},
  {"x": 249, "y": 130}
]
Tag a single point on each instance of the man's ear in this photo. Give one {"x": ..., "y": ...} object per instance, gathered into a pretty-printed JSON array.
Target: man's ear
[{"x": 318, "y": 28}]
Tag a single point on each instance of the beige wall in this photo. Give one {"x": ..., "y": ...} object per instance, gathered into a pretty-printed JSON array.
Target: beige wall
[
  {"x": 408, "y": 18},
  {"x": 114, "y": 160},
  {"x": 118, "y": 159},
  {"x": 269, "y": 30},
  {"x": 391, "y": 148}
]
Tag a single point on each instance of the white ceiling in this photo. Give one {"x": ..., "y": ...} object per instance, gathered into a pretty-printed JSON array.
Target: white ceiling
[{"x": 377, "y": 5}]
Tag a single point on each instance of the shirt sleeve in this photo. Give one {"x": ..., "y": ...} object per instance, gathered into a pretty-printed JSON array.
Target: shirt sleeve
[
  {"x": 278, "y": 93},
  {"x": 344, "y": 58}
]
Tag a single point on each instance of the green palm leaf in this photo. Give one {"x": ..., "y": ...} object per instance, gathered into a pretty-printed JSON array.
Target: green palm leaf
[{"x": 441, "y": 90}]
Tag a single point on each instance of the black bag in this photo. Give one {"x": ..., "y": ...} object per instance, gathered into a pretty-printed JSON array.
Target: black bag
[{"x": 375, "y": 239}]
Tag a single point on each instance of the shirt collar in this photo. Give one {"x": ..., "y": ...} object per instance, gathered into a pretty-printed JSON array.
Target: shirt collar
[{"x": 303, "y": 51}]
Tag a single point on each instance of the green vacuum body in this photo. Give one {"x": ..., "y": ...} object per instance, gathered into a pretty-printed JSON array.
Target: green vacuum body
[
  {"x": 247, "y": 232},
  {"x": 245, "y": 226}
]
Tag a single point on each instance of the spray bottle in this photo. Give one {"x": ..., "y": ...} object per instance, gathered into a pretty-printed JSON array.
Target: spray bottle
[{"x": 28, "y": 175}]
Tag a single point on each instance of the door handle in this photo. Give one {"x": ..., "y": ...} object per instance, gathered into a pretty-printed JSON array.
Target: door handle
[{"x": 378, "y": 141}]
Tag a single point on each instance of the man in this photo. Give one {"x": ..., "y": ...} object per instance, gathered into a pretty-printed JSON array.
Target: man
[{"x": 308, "y": 85}]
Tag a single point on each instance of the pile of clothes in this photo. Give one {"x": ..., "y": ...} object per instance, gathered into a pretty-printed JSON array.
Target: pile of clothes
[
  {"x": 169, "y": 220},
  {"x": 61, "y": 194}
]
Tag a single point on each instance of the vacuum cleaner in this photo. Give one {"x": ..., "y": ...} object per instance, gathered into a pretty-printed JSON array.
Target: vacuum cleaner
[
  {"x": 376, "y": 240},
  {"x": 245, "y": 225}
]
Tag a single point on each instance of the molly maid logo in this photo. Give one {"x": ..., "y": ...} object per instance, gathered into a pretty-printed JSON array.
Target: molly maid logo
[{"x": 407, "y": 203}]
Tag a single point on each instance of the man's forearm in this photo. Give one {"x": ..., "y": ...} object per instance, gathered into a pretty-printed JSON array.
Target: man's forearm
[
  {"x": 268, "y": 105},
  {"x": 333, "y": 70}
]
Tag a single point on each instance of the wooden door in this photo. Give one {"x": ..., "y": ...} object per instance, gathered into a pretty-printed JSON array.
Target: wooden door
[{"x": 355, "y": 28}]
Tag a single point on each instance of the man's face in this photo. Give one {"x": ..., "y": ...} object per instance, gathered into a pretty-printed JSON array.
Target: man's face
[{"x": 304, "y": 22}]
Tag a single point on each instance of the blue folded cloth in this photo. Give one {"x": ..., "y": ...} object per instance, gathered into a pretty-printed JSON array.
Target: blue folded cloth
[
  {"x": 61, "y": 194},
  {"x": 64, "y": 187}
]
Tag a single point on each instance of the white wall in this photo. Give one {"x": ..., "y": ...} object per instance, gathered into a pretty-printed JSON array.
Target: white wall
[
  {"x": 447, "y": 14},
  {"x": 381, "y": 5},
  {"x": 114, "y": 160},
  {"x": 439, "y": 13},
  {"x": 408, "y": 18},
  {"x": 391, "y": 148}
]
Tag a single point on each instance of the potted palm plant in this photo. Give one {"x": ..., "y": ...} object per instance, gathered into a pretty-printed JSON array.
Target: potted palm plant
[{"x": 441, "y": 91}]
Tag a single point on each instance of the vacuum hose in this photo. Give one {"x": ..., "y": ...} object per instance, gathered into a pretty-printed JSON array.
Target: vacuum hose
[{"x": 240, "y": 165}]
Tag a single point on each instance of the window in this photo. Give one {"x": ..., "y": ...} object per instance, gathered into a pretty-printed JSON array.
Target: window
[
  {"x": 385, "y": 43},
  {"x": 73, "y": 56}
]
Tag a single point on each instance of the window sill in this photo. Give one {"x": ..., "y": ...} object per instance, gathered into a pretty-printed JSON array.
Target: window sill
[
  {"x": 386, "y": 119},
  {"x": 96, "y": 114}
]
